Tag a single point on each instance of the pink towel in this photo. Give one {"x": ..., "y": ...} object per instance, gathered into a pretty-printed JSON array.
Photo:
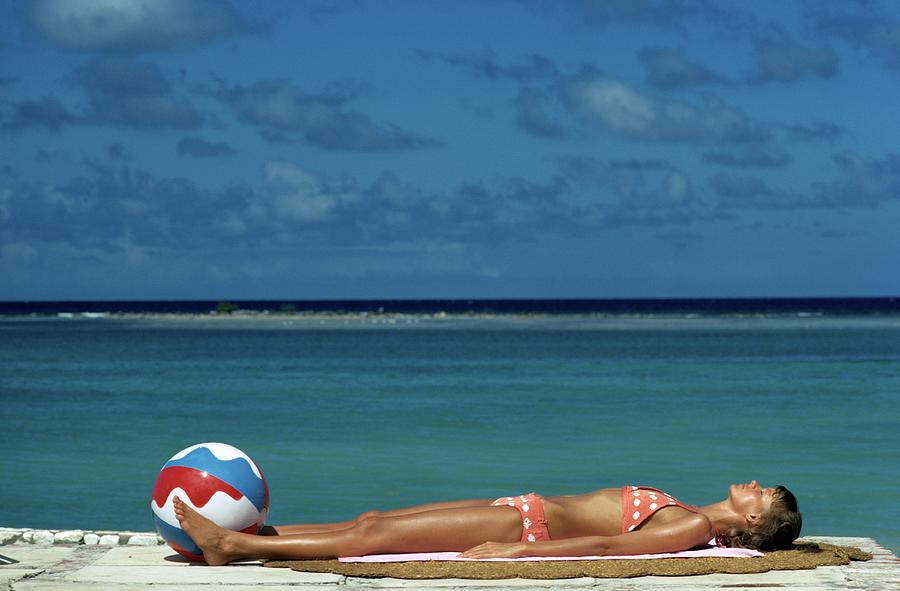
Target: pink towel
[{"x": 706, "y": 551}]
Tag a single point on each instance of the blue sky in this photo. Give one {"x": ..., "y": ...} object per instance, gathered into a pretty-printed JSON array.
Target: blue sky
[{"x": 167, "y": 149}]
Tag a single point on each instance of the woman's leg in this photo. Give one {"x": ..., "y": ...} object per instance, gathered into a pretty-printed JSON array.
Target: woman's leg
[
  {"x": 454, "y": 529},
  {"x": 305, "y": 528},
  {"x": 315, "y": 528}
]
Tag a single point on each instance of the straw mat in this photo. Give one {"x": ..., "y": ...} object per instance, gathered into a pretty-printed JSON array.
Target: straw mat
[{"x": 803, "y": 556}]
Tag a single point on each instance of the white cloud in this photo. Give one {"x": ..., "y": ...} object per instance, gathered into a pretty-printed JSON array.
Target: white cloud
[
  {"x": 617, "y": 106},
  {"x": 649, "y": 184},
  {"x": 614, "y": 104},
  {"x": 133, "y": 25},
  {"x": 290, "y": 176},
  {"x": 299, "y": 195},
  {"x": 279, "y": 109}
]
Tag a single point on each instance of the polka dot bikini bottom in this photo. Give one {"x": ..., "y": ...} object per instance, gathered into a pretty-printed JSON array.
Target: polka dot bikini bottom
[{"x": 531, "y": 508}]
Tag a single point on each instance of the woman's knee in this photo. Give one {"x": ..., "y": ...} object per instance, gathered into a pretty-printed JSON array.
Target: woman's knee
[
  {"x": 370, "y": 525},
  {"x": 367, "y": 515},
  {"x": 369, "y": 533}
]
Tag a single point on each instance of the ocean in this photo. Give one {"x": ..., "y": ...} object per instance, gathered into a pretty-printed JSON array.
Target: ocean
[{"x": 379, "y": 409}]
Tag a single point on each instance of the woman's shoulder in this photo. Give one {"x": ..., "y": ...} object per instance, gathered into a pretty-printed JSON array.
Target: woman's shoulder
[{"x": 683, "y": 520}]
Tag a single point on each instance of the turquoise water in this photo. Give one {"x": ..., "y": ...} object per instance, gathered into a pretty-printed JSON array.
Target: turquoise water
[{"x": 348, "y": 416}]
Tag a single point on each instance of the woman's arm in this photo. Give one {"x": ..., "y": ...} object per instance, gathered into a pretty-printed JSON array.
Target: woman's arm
[
  {"x": 681, "y": 534},
  {"x": 584, "y": 546}
]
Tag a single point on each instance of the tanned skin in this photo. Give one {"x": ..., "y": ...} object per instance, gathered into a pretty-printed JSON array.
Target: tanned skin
[{"x": 580, "y": 525}]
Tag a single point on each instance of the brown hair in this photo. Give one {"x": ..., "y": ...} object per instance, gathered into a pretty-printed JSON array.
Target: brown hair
[{"x": 777, "y": 529}]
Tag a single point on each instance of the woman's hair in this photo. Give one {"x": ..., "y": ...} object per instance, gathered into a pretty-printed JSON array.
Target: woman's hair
[{"x": 777, "y": 528}]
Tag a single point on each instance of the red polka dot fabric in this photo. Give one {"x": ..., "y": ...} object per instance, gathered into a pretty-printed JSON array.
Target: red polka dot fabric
[
  {"x": 531, "y": 507},
  {"x": 640, "y": 502}
]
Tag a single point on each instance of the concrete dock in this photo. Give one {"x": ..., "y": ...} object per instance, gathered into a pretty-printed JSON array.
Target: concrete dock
[{"x": 30, "y": 566}]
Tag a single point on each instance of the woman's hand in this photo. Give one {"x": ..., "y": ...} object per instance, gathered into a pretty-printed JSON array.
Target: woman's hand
[{"x": 496, "y": 550}]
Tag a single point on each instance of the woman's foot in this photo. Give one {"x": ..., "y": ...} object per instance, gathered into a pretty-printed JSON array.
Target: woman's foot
[{"x": 217, "y": 543}]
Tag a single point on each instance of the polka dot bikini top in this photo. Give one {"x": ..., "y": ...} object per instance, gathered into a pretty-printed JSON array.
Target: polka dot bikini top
[{"x": 640, "y": 502}]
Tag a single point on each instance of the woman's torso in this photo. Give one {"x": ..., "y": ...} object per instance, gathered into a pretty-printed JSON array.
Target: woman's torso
[{"x": 597, "y": 513}]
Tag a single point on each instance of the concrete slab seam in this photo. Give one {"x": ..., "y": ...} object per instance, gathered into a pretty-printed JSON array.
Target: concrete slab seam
[
  {"x": 25, "y": 577},
  {"x": 79, "y": 558}
]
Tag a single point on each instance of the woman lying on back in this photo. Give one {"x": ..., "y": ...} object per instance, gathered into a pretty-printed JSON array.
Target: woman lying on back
[{"x": 610, "y": 521}]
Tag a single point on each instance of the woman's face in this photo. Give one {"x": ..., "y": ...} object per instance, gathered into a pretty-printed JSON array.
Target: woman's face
[{"x": 751, "y": 498}]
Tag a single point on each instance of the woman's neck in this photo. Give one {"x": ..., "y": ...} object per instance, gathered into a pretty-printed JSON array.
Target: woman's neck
[{"x": 722, "y": 516}]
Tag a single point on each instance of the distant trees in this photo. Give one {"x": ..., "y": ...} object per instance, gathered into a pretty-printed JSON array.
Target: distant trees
[
  {"x": 228, "y": 308},
  {"x": 225, "y": 308}
]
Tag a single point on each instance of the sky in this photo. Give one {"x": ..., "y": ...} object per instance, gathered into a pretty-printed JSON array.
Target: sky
[{"x": 208, "y": 149}]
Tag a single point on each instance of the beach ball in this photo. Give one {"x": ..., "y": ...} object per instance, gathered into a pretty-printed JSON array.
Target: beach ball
[{"x": 220, "y": 482}]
